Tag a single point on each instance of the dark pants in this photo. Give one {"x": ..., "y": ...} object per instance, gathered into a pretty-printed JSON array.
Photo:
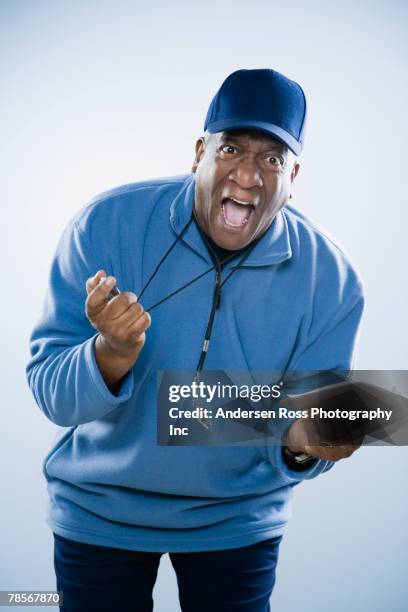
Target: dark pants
[{"x": 98, "y": 579}]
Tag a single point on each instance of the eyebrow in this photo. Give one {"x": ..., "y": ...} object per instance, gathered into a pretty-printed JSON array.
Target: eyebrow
[{"x": 273, "y": 146}]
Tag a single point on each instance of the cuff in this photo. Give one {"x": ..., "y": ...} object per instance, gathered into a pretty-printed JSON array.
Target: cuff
[
  {"x": 292, "y": 461},
  {"x": 126, "y": 387}
]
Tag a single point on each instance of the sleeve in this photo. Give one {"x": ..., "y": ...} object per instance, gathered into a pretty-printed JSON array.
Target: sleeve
[
  {"x": 62, "y": 373},
  {"x": 327, "y": 343}
]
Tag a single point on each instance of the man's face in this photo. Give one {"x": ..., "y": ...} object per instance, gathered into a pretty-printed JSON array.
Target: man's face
[{"x": 243, "y": 178}]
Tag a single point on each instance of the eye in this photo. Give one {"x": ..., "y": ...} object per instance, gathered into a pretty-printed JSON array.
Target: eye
[
  {"x": 228, "y": 149},
  {"x": 276, "y": 160}
]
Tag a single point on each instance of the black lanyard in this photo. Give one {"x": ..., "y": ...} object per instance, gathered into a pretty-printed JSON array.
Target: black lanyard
[{"x": 219, "y": 283}]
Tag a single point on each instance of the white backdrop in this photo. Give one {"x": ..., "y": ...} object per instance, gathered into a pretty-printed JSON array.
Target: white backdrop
[{"x": 96, "y": 94}]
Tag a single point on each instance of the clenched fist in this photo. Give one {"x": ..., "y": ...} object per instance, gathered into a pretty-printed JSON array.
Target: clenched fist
[
  {"x": 302, "y": 431},
  {"x": 121, "y": 323}
]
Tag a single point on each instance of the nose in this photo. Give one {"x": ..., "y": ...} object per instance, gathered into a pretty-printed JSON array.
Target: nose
[{"x": 246, "y": 174}]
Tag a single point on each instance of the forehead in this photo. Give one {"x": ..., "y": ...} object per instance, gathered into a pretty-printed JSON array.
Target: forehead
[{"x": 251, "y": 137}]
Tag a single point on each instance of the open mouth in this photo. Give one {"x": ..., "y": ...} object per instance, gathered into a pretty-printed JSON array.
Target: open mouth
[{"x": 236, "y": 213}]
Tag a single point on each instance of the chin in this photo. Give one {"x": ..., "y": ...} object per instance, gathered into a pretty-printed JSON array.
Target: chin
[{"x": 232, "y": 242}]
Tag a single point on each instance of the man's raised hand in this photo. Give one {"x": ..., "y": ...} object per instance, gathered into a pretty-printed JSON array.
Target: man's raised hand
[{"x": 121, "y": 323}]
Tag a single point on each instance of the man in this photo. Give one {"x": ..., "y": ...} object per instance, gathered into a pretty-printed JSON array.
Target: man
[{"x": 236, "y": 280}]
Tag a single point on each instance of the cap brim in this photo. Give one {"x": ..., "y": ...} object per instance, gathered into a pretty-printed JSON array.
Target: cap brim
[{"x": 269, "y": 128}]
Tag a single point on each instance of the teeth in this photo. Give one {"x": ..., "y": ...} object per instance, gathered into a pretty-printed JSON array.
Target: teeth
[{"x": 241, "y": 202}]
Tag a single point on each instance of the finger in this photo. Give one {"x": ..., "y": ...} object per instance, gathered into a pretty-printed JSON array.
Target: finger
[
  {"x": 129, "y": 334},
  {"x": 125, "y": 317},
  {"x": 145, "y": 322},
  {"x": 140, "y": 326},
  {"x": 346, "y": 450},
  {"x": 133, "y": 314},
  {"x": 329, "y": 453},
  {"x": 92, "y": 282},
  {"x": 315, "y": 451},
  {"x": 120, "y": 304},
  {"x": 96, "y": 300}
]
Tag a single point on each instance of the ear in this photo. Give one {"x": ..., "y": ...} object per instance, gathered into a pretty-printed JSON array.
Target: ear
[
  {"x": 295, "y": 170},
  {"x": 199, "y": 151}
]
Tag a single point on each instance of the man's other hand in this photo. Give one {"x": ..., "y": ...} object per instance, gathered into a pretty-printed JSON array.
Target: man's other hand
[{"x": 298, "y": 440}]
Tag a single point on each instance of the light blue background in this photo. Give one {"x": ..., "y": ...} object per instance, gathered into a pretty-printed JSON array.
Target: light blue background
[{"x": 96, "y": 94}]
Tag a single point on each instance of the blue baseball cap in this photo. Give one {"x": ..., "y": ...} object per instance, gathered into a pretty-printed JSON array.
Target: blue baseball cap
[{"x": 260, "y": 99}]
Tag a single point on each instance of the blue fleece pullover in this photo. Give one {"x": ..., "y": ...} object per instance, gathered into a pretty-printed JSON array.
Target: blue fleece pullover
[{"x": 295, "y": 304}]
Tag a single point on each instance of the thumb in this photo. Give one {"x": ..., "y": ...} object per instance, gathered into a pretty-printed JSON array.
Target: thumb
[{"x": 93, "y": 281}]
